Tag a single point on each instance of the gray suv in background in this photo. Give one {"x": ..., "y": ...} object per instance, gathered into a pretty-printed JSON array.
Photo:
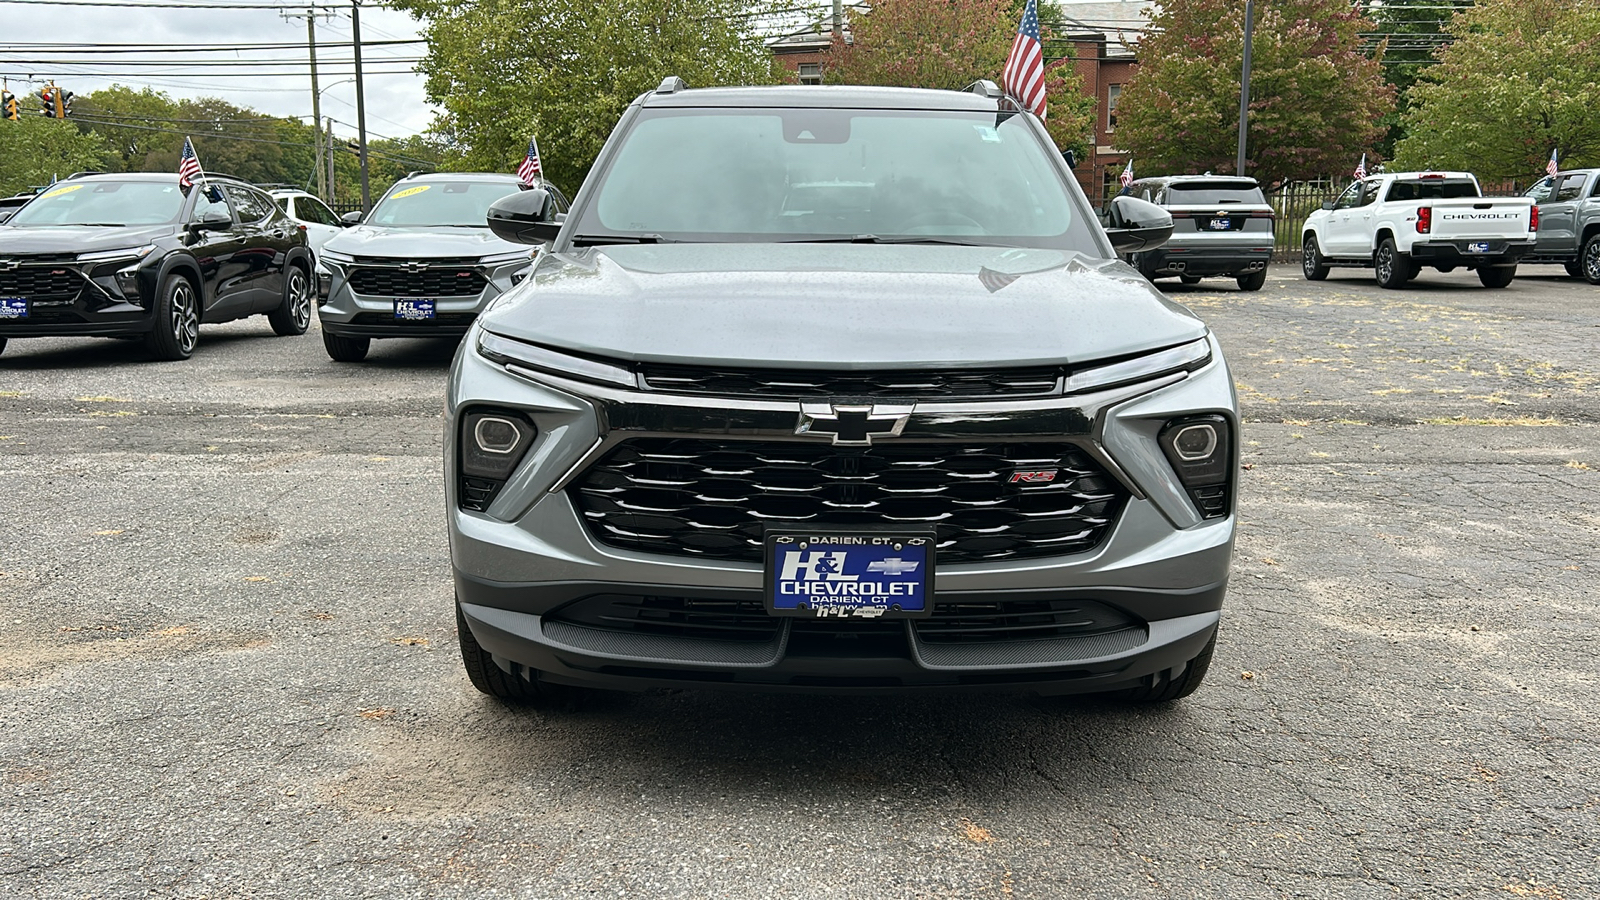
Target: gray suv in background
[
  {"x": 423, "y": 263},
  {"x": 837, "y": 389},
  {"x": 1221, "y": 226}
]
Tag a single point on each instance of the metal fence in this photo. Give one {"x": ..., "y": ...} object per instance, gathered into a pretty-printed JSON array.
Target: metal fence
[{"x": 1295, "y": 200}]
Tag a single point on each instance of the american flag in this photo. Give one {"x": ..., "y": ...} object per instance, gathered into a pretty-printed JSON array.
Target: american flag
[
  {"x": 1127, "y": 173},
  {"x": 1550, "y": 168},
  {"x": 188, "y": 166},
  {"x": 530, "y": 168},
  {"x": 1024, "y": 72},
  {"x": 1361, "y": 167},
  {"x": 993, "y": 280}
]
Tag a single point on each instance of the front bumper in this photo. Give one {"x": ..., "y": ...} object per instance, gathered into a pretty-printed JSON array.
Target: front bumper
[
  {"x": 526, "y": 561},
  {"x": 343, "y": 311},
  {"x": 1458, "y": 253},
  {"x": 69, "y": 299}
]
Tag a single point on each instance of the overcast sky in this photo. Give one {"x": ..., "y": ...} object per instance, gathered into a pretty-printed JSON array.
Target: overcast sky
[{"x": 395, "y": 102}]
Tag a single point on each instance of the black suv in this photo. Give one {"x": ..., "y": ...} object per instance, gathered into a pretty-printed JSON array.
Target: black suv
[{"x": 136, "y": 254}]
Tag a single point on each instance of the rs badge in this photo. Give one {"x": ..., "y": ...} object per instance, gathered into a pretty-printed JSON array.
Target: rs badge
[{"x": 1034, "y": 476}]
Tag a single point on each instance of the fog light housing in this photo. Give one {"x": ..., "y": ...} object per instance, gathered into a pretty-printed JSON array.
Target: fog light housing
[
  {"x": 492, "y": 443},
  {"x": 1200, "y": 449},
  {"x": 128, "y": 283}
]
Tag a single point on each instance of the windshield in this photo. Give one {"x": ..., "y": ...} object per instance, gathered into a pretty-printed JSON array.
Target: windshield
[
  {"x": 1204, "y": 194},
  {"x": 104, "y": 203},
  {"x": 819, "y": 174},
  {"x": 462, "y": 204}
]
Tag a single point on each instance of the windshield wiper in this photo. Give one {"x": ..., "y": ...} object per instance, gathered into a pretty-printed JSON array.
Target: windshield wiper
[
  {"x": 892, "y": 239},
  {"x": 622, "y": 239}
]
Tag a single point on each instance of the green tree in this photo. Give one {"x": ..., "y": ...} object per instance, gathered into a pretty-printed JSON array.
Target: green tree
[
  {"x": 1519, "y": 80},
  {"x": 37, "y": 149},
  {"x": 131, "y": 121},
  {"x": 1316, "y": 102},
  {"x": 949, "y": 45},
  {"x": 564, "y": 70},
  {"x": 1410, "y": 33}
]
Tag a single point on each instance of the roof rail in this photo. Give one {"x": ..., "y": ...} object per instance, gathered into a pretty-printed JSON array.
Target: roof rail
[
  {"x": 983, "y": 87},
  {"x": 671, "y": 85},
  {"x": 83, "y": 173}
]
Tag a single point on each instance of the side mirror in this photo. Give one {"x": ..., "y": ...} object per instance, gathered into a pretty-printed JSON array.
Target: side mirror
[
  {"x": 526, "y": 217},
  {"x": 1136, "y": 224},
  {"x": 1327, "y": 204},
  {"x": 353, "y": 217},
  {"x": 212, "y": 220}
]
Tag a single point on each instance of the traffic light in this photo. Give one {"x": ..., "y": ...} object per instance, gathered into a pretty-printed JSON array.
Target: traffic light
[
  {"x": 8, "y": 106},
  {"x": 47, "y": 96},
  {"x": 63, "y": 103}
]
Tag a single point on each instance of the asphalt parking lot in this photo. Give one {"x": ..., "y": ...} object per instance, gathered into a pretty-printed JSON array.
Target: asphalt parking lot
[{"x": 228, "y": 663}]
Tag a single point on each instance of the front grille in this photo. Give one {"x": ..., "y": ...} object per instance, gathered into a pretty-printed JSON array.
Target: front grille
[
  {"x": 1033, "y": 382},
  {"x": 985, "y": 621},
  {"x": 443, "y": 281},
  {"x": 708, "y": 498},
  {"x": 965, "y": 622},
  {"x": 41, "y": 283}
]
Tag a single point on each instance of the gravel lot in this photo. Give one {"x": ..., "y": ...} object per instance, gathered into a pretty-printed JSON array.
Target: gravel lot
[{"x": 228, "y": 663}]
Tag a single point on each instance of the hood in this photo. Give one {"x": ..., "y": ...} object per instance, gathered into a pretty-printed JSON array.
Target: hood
[
  {"x": 840, "y": 306},
  {"x": 419, "y": 243},
  {"x": 77, "y": 238}
]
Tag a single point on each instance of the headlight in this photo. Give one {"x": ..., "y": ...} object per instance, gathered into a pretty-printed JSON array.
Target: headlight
[
  {"x": 1182, "y": 358},
  {"x": 334, "y": 258},
  {"x": 492, "y": 442},
  {"x": 515, "y": 354},
  {"x": 128, "y": 253},
  {"x": 499, "y": 259}
]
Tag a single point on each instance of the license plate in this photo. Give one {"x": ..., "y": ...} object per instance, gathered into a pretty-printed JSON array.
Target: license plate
[
  {"x": 1478, "y": 247},
  {"x": 414, "y": 310},
  {"x": 856, "y": 574},
  {"x": 1221, "y": 224},
  {"x": 13, "y": 307}
]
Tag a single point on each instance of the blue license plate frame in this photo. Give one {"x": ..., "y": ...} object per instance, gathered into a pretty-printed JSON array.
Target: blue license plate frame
[
  {"x": 14, "y": 308},
  {"x": 854, "y": 573},
  {"x": 416, "y": 309},
  {"x": 1221, "y": 224},
  {"x": 1478, "y": 247}
]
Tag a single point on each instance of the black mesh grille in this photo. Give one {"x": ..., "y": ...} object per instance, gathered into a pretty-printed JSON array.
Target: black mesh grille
[
  {"x": 444, "y": 281},
  {"x": 1017, "y": 620},
  {"x": 692, "y": 497},
  {"x": 717, "y": 619},
  {"x": 439, "y": 320},
  {"x": 40, "y": 283},
  {"x": 1034, "y": 382}
]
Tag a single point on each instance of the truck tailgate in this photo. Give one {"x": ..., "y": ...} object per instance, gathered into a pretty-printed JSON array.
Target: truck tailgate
[{"x": 1480, "y": 217}]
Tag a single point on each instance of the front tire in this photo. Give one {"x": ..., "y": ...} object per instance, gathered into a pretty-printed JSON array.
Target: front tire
[
  {"x": 176, "y": 329},
  {"x": 1312, "y": 263},
  {"x": 1252, "y": 281},
  {"x": 346, "y": 349},
  {"x": 1165, "y": 687},
  {"x": 293, "y": 316},
  {"x": 500, "y": 684},
  {"x": 1497, "y": 276},
  {"x": 1590, "y": 259},
  {"x": 1574, "y": 267},
  {"x": 1392, "y": 268},
  {"x": 2, "y": 345}
]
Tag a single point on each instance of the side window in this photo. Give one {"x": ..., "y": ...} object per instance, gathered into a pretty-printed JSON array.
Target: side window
[
  {"x": 1369, "y": 195},
  {"x": 1571, "y": 188},
  {"x": 1595, "y": 192},
  {"x": 252, "y": 207},
  {"x": 1349, "y": 198},
  {"x": 207, "y": 201},
  {"x": 313, "y": 211},
  {"x": 1540, "y": 192}
]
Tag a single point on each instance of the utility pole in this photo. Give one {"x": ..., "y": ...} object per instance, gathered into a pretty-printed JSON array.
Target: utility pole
[
  {"x": 310, "y": 15},
  {"x": 361, "y": 105},
  {"x": 330, "y": 157},
  {"x": 838, "y": 18},
  {"x": 1244, "y": 85}
]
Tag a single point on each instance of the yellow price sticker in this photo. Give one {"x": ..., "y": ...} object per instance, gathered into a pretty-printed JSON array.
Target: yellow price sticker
[
  {"x": 62, "y": 190},
  {"x": 399, "y": 195}
]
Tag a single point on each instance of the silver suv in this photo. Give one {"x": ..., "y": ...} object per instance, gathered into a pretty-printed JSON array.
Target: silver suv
[
  {"x": 837, "y": 389},
  {"x": 423, "y": 263},
  {"x": 1221, "y": 226}
]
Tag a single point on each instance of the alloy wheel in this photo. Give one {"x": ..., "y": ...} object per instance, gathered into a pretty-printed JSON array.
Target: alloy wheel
[
  {"x": 1591, "y": 261},
  {"x": 1385, "y": 264},
  {"x": 185, "y": 317},
  {"x": 299, "y": 297}
]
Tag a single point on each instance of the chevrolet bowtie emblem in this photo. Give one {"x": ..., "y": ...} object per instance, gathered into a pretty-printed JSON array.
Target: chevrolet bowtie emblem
[
  {"x": 7, "y": 265},
  {"x": 852, "y": 426},
  {"x": 413, "y": 267}
]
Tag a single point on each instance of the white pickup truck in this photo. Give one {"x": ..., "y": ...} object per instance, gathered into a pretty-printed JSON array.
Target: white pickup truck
[{"x": 1396, "y": 223}]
